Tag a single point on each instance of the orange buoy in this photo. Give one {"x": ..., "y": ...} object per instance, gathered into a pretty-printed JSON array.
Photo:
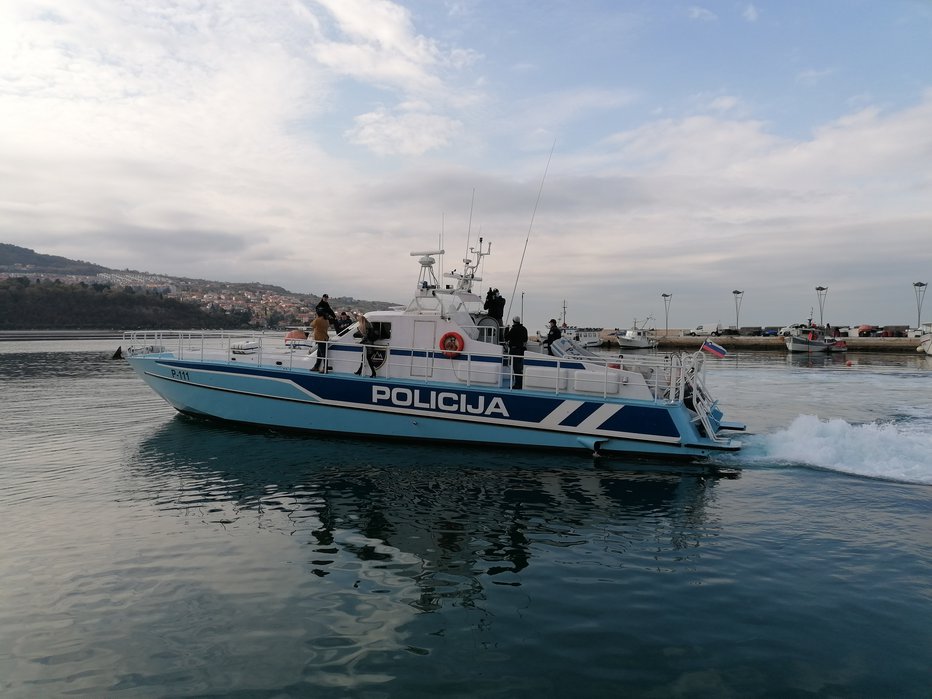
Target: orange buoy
[{"x": 293, "y": 337}]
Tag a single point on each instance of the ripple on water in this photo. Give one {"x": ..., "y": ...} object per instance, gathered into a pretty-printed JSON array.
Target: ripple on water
[{"x": 157, "y": 555}]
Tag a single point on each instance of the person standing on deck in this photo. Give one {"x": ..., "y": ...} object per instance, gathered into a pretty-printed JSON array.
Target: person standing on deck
[
  {"x": 495, "y": 305},
  {"x": 321, "y": 327},
  {"x": 553, "y": 333},
  {"x": 323, "y": 308},
  {"x": 366, "y": 332},
  {"x": 517, "y": 343}
]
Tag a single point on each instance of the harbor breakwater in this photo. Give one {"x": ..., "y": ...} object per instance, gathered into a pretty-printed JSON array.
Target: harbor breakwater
[
  {"x": 670, "y": 342},
  {"x": 738, "y": 342}
]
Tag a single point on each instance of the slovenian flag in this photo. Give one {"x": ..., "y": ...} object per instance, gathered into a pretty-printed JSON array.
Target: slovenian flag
[{"x": 713, "y": 348}]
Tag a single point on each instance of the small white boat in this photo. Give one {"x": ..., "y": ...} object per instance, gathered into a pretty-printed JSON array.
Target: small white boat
[
  {"x": 925, "y": 344},
  {"x": 437, "y": 371},
  {"x": 924, "y": 332},
  {"x": 587, "y": 337},
  {"x": 635, "y": 337}
]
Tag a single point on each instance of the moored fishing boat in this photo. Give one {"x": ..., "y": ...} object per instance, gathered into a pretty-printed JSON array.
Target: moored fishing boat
[
  {"x": 587, "y": 337},
  {"x": 810, "y": 338},
  {"x": 437, "y": 370},
  {"x": 635, "y": 337}
]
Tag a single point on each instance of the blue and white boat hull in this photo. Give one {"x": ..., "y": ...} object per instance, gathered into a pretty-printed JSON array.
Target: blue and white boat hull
[{"x": 409, "y": 409}]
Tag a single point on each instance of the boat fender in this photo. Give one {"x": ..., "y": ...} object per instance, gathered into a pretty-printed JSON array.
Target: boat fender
[{"x": 452, "y": 344}]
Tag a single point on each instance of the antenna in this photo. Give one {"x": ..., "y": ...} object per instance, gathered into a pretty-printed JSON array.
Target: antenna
[
  {"x": 472, "y": 203},
  {"x": 468, "y": 276},
  {"x": 531, "y": 225}
]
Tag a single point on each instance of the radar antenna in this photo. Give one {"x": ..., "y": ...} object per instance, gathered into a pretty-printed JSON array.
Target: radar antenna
[{"x": 427, "y": 280}]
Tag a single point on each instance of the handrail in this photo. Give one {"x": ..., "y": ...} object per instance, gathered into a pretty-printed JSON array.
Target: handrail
[{"x": 669, "y": 378}]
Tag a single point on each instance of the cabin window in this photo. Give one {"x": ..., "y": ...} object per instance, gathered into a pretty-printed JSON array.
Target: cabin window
[{"x": 383, "y": 331}]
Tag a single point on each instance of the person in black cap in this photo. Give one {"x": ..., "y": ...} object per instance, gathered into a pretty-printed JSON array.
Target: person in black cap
[
  {"x": 323, "y": 308},
  {"x": 517, "y": 343},
  {"x": 553, "y": 333}
]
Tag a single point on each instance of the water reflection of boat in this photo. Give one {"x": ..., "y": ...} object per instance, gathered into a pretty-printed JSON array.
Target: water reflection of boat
[
  {"x": 816, "y": 359},
  {"x": 426, "y": 513}
]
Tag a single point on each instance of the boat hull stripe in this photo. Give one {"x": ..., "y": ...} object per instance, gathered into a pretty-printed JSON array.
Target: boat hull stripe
[{"x": 583, "y": 412}]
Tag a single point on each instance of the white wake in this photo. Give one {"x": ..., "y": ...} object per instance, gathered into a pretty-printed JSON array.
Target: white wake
[{"x": 891, "y": 451}]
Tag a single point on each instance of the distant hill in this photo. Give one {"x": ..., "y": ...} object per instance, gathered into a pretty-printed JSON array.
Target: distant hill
[
  {"x": 18, "y": 260},
  {"x": 27, "y": 305},
  {"x": 14, "y": 259},
  {"x": 36, "y": 297}
]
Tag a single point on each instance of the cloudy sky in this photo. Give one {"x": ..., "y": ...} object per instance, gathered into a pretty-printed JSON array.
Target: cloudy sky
[{"x": 622, "y": 148}]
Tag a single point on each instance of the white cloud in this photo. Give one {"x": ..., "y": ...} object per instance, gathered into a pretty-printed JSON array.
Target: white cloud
[
  {"x": 380, "y": 45},
  {"x": 408, "y": 133},
  {"x": 812, "y": 77},
  {"x": 750, "y": 13},
  {"x": 701, "y": 13},
  {"x": 210, "y": 139}
]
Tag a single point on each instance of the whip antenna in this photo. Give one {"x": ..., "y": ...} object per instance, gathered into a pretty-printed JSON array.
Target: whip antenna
[
  {"x": 530, "y": 226},
  {"x": 472, "y": 204}
]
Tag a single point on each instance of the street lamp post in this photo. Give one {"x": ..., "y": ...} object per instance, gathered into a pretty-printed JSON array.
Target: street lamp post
[
  {"x": 738, "y": 294},
  {"x": 666, "y": 313},
  {"x": 920, "y": 288},
  {"x": 821, "y": 292}
]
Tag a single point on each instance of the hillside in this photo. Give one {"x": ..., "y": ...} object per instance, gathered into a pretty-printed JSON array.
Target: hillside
[
  {"x": 14, "y": 259},
  {"x": 46, "y": 291},
  {"x": 26, "y": 305}
]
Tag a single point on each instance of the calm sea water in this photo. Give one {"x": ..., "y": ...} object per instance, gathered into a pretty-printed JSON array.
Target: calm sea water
[{"x": 145, "y": 554}]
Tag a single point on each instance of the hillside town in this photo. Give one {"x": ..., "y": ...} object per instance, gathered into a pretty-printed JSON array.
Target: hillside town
[{"x": 268, "y": 306}]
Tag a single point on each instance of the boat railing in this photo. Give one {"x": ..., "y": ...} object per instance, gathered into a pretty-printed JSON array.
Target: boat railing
[{"x": 670, "y": 378}]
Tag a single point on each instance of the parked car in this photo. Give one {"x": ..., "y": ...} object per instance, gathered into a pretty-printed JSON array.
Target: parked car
[{"x": 714, "y": 329}]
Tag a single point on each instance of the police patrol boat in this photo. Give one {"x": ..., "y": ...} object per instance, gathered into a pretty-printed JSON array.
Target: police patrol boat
[{"x": 437, "y": 370}]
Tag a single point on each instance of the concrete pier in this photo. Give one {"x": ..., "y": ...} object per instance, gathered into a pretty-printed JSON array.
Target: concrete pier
[{"x": 738, "y": 342}]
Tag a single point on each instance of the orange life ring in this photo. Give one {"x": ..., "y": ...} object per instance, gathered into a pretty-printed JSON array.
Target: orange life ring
[{"x": 452, "y": 344}]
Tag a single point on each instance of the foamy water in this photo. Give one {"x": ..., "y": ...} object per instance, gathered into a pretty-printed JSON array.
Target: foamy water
[{"x": 891, "y": 451}]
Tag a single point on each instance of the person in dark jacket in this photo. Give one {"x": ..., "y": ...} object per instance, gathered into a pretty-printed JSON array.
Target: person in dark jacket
[
  {"x": 516, "y": 336},
  {"x": 495, "y": 304},
  {"x": 323, "y": 308},
  {"x": 553, "y": 333}
]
